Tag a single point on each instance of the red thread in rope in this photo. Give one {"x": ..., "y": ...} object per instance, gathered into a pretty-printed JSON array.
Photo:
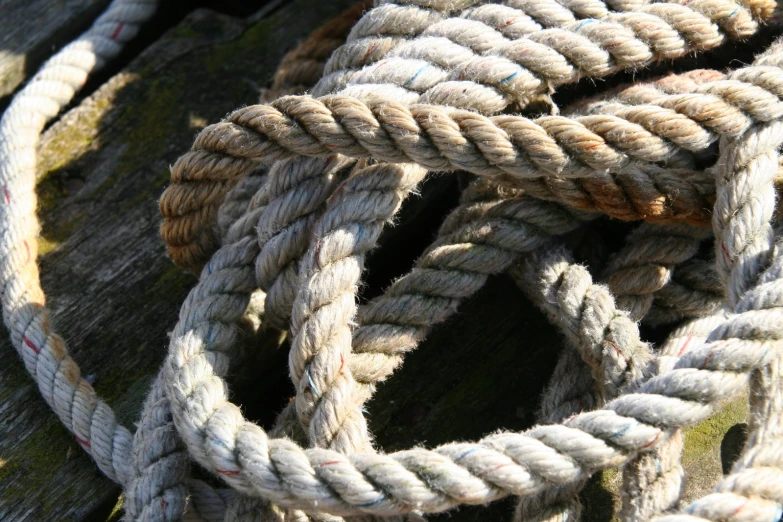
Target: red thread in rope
[
  {"x": 616, "y": 349},
  {"x": 726, "y": 253},
  {"x": 227, "y": 472},
  {"x": 7, "y": 195},
  {"x": 330, "y": 463},
  {"x": 83, "y": 442},
  {"x": 117, "y": 31},
  {"x": 657, "y": 436},
  {"x": 685, "y": 345},
  {"x": 30, "y": 345},
  {"x": 369, "y": 50},
  {"x": 709, "y": 356},
  {"x": 736, "y": 511}
]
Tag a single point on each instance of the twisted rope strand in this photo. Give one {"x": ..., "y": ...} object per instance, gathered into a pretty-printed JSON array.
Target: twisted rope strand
[
  {"x": 325, "y": 304},
  {"x": 638, "y": 191},
  {"x": 470, "y": 249},
  {"x": 302, "y": 67},
  {"x": 694, "y": 289},
  {"x": 653, "y": 480},
  {"x": 606, "y": 339},
  {"x": 296, "y": 196},
  {"x": 370, "y": 40},
  {"x": 442, "y": 139},
  {"x": 44, "y": 352},
  {"x": 468, "y": 64},
  {"x": 646, "y": 262}
]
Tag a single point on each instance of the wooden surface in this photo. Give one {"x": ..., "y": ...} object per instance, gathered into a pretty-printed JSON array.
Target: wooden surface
[
  {"x": 112, "y": 291},
  {"x": 114, "y": 294},
  {"x": 32, "y": 28}
]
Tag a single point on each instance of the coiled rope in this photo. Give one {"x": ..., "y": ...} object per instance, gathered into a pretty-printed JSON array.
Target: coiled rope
[{"x": 406, "y": 106}]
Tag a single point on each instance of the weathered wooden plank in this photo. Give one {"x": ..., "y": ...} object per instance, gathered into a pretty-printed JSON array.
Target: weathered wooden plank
[
  {"x": 30, "y": 29},
  {"x": 112, "y": 290}
]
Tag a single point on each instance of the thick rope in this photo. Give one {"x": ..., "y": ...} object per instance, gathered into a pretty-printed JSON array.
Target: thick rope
[
  {"x": 607, "y": 339},
  {"x": 652, "y": 482},
  {"x": 297, "y": 193},
  {"x": 463, "y": 62},
  {"x": 440, "y": 138},
  {"x": 646, "y": 193},
  {"x": 189, "y": 234},
  {"x": 409, "y": 35},
  {"x": 44, "y": 352},
  {"x": 225, "y": 409},
  {"x": 646, "y": 264}
]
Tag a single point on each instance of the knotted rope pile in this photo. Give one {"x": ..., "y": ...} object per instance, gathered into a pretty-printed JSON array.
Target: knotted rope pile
[{"x": 281, "y": 202}]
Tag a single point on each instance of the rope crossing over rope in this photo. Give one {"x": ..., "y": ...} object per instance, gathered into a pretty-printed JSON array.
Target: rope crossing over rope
[{"x": 281, "y": 202}]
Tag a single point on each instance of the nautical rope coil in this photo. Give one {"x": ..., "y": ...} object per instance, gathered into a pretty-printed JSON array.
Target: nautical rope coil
[{"x": 278, "y": 205}]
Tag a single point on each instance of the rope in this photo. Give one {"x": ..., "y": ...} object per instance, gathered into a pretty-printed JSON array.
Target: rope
[
  {"x": 640, "y": 191},
  {"x": 419, "y": 87},
  {"x": 225, "y": 409},
  {"x": 463, "y": 62},
  {"x": 388, "y": 31},
  {"x": 44, "y": 353},
  {"x": 190, "y": 237},
  {"x": 645, "y": 265}
]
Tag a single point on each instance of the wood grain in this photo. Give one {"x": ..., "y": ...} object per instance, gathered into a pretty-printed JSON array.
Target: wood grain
[
  {"x": 31, "y": 29},
  {"x": 112, "y": 291}
]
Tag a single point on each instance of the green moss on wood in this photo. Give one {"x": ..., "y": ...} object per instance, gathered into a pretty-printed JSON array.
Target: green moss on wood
[
  {"x": 117, "y": 512},
  {"x": 69, "y": 146},
  {"x": 34, "y": 458},
  {"x": 600, "y": 497},
  {"x": 156, "y": 116},
  {"x": 701, "y": 456},
  {"x": 703, "y": 440}
]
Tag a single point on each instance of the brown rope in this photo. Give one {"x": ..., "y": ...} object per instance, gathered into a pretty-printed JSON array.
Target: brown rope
[
  {"x": 670, "y": 194},
  {"x": 189, "y": 205}
]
